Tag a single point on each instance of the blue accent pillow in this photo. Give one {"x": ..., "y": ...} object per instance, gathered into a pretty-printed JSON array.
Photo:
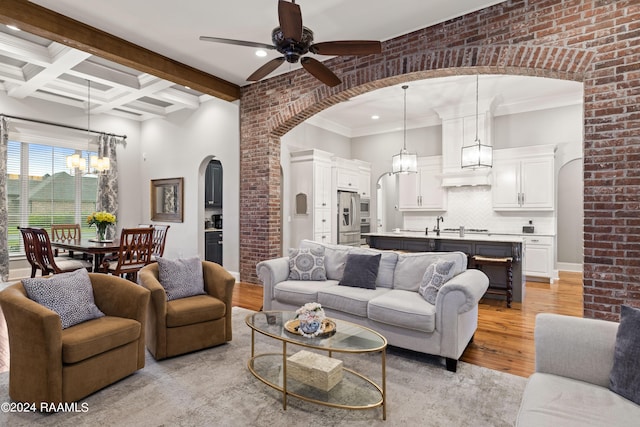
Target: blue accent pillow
[
  {"x": 625, "y": 374},
  {"x": 361, "y": 271},
  {"x": 68, "y": 294},
  {"x": 181, "y": 278},
  {"x": 307, "y": 264}
]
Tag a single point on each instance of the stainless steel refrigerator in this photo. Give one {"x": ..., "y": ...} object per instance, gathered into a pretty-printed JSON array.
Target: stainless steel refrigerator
[{"x": 348, "y": 218}]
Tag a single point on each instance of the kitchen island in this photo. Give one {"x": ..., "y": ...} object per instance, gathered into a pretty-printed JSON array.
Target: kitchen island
[{"x": 490, "y": 245}]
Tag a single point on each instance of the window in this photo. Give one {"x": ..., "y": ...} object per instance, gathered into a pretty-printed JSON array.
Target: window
[{"x": 42, "y": 191}]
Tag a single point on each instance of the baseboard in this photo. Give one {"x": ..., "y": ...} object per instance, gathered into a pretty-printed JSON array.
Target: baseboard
[{"x": 569, "y": 266}]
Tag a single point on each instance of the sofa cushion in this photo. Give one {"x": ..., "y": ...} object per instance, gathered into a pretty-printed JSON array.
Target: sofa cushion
[
  {"x": 347, "y": 299},
  {"x": 181, "y": 278},
  {"x": 68, "y": 294},
  {"x": 403, "y": 308},
  {"x": 335, "y": 257},
  {"x": 361, "y": 271},
  {"x": 300, "y": 292},
  {"x": 411, "y": 267},
  {"x": 625, "y": 374},
  {"x": 552, "y": 400},
  {"x": 307, "y": 264},
  {"x": 97, "y": 336},
  {"x": 435, "y": 276},
  {"x": 387, "y": 265},
  {"x": 195, "y": 309}
]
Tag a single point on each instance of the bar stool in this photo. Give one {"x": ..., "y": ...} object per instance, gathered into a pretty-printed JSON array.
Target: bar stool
[{"x": 479, "y": 261}]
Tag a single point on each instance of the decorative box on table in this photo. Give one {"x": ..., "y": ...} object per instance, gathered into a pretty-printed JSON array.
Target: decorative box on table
[{"x": 314, "y": 369}]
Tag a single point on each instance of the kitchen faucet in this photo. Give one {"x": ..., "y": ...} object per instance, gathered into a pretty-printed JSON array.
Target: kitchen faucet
[{"x": 437, "y": 228}]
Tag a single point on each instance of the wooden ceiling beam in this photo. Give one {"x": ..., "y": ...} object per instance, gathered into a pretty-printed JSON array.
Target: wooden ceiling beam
[{"x": 53, "y": 26}]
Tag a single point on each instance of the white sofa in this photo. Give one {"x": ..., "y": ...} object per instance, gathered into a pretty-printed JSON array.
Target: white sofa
[
  {"x": 574, "y": 357},
  {"x": 395, "y": 309}
]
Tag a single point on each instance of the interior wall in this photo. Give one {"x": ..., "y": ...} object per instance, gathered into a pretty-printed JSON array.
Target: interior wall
[
  {"x": 178, "y": 147},
  {"x": 570, "y": 219}
]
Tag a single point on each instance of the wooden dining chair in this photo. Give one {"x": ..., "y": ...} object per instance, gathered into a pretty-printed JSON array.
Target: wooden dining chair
[
  {"x": 48, "y": 262},
  {"x": 65, "y": 233},
  {"x": 30, "y": 251},
  {"x": 159, "y": 240},
  {"x": 134, "y": 253}
]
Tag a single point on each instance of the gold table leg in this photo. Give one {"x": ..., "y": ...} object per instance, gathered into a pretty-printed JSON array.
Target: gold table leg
[{"x": 284, "y": 375}]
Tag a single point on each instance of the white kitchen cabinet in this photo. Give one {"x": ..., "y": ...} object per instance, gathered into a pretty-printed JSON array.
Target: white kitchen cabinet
[
  {"x": 364, "y": 182},
  {"x": 422, "y": 191},
  {"x": 347, "y": 174},
  {"x": 538, "y": 257},
  {"x": 311, "y": 172},
  {"x": 523, "y": 179}
]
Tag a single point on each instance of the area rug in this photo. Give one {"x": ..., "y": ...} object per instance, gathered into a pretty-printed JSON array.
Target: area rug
[{"x": 213, "y": 387}]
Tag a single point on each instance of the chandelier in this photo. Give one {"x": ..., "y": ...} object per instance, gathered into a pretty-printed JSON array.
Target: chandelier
[
  {"x": 477, "y": 155},
  {"x": 96, "y": 162},
  {"x": 404, "y": 162}
]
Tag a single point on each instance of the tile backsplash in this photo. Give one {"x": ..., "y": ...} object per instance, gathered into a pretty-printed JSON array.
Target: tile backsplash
[{"x": 472, "y": 208}]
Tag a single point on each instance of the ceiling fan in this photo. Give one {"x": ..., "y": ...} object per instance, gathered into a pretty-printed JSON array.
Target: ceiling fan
[{"x": 293, "y": 41}]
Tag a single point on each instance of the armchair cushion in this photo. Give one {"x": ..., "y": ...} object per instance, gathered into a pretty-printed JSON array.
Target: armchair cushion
[
  {"x": 68, "y": 294},
  {"x": 197, "y": 309},
  {"x": 97, "y": 336},
  {"x": 625, "y": 374},
  {"x": 181, "y": 278}
]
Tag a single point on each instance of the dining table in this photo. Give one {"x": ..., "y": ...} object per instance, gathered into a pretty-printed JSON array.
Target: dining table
[{"x": 89, "y": 246}]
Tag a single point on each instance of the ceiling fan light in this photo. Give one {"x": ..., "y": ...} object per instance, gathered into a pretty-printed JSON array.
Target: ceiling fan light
[{"x": 261, "y": 53}]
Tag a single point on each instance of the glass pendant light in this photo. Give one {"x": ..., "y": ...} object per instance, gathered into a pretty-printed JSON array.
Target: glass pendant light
[
  {"x": 405, "y": 162},
  {"x": 477, "y": 155}
]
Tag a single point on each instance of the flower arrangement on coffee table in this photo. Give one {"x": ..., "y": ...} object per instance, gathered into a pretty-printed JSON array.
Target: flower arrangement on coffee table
[
  {"x": 310, "y": 316},
  {"x": 101, "y": 220}
]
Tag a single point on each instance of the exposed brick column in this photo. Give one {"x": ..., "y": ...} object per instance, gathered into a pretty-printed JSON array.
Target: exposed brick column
[{"x": 591, "y": 41}]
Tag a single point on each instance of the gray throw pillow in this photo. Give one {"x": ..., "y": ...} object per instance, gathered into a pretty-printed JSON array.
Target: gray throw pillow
[
  {"x": 436, "y": 275},
  {"x": 361, "y": 271},
  {"x": 625, "y": 374},
  {"x": 181, "y": 278},
  {"x": 307, "y": 264},
  {"x": 68, "y": 294}
]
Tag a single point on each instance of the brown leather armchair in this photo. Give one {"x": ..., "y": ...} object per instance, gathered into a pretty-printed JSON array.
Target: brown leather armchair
[
  {"x": 188, "y": 324},
  {"x": 51, "y": 364}
]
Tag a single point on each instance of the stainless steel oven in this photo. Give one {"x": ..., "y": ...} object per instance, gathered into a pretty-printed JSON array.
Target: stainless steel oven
[{"x": 365, "y": 208}]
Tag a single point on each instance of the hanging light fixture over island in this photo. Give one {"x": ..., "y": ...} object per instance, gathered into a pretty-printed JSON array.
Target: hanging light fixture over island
[{"x": 405, "y": 162}]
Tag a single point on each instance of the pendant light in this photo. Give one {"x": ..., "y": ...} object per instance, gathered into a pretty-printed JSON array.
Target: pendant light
[
  {"x": 96, "y": 162},
  {"x": 405, "y": 162},
  {"x": 477, "y": 155}
]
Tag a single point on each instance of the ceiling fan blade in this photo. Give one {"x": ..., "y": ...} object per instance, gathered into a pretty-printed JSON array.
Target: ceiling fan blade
[
  {"x": 237, "y": 42},
  {"x": 290, "y": 18},
  {"x": 265, "y": 70},
  {"x": 347, "y": 47},
  {"x": 318, "y": 70}
]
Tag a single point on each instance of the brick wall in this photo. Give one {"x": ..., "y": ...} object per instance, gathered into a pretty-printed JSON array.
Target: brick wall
[{"x": 595, "y": 42}]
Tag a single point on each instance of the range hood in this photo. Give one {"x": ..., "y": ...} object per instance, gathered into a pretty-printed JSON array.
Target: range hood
[{"x": 466, "y": 178}]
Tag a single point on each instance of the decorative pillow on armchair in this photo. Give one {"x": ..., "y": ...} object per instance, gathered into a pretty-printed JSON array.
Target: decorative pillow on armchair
[
  {"x": 307, "y": 264},
  {"x": 625, "y": 373},
  {"x": 68, "y": 294},
  {"x": 436, "y": 275},
  {"x": 181, "y": 278}
]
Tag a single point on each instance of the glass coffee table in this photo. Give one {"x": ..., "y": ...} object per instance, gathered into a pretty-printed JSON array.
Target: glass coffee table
[{"x": 353, "y": 391}]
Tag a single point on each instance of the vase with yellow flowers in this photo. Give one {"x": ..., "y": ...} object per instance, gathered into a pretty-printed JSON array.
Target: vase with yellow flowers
[{"x": 101, "y": 220}]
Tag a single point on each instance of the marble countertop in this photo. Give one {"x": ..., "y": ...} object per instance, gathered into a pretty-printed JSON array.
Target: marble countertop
[
  {"x": 477, "y": 237},
  {"x": 212, "y": 229}
]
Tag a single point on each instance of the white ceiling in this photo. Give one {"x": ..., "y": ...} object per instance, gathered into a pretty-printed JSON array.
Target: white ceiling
[{"x": 32, "y": 66}]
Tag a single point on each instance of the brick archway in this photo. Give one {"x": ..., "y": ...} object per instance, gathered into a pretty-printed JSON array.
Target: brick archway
[{"x": 578, "y": 43}]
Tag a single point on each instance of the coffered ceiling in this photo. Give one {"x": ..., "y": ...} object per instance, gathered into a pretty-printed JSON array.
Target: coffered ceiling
[{"x": 32, "y": 66}]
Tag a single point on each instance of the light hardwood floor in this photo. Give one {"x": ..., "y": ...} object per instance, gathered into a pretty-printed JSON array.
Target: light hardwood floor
[{"x": 503, "y": 341}]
